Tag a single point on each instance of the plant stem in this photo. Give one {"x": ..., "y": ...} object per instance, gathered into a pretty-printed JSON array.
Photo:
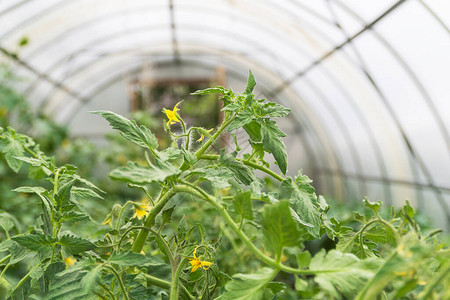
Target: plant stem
[
  {"x": 245, "y": 162},
  {"x": 208, "y": 143},
  {"x": 143, "y": 234},
  {"x": 107, "y": 290},
  {"x": 119, "y": 279},
  {"x": 24, "y": 278},
  {"x": 5, "y": 258},
  {"x": 174, "y": 286},
  {"x": 157, "y": 235},
  {"x": 166, "y": 285}
]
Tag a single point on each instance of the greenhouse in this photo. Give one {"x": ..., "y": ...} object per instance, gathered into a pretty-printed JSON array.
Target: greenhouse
[{"x": 224, "y": 149}]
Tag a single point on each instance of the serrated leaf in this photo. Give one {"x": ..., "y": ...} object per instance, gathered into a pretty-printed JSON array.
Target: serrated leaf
[
  {"x": 12, "y": 146},
  {"x": 219, "y": 178},
  {"x": 242, "y": 172},
  {"x": 346, "y": 242},
  {"x": 83, "y": 193},
  {"x": 189, "y": 157},
  {"x": 248, "y": 286},
  {"x": 271, "y": 140},
  {"x": 32, "y": 161},
  {"x": 253, "y": 130},
  {"x": 279, "y": 228},
  {"x": 302, "y": 203},
  {"x": 6, "y": 221},
  {"x": 242, "y": 118},
  {"x": 250, "y": 83},
  {"x": 89, "y": 281},
  {"x": 137, "y": 174},
  {"x": 62, "y": 197},
  {"x": 36, "y": 242},
  {"x": 167, "y": 215},
  {"x": 274, "y": 110},
  {"x": 349, "y": 276},
  {"x": 47, "y": 205},
  {"x": 73, "y": 217},
  {"x": 374, "y": 206},
  {"x": 129, "y": 259},
  {"x": 141, "y": 136},
  {"x": 215, "y": 90},
  {"x": 243, "y": 205},
  {"x": 74, "y": 245}
]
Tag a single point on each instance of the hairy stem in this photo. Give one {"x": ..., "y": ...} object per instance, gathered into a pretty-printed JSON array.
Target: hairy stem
[
  {"x": 174, "y": 286},
  {"x": 208, "y": 143},
  {"x": 143, "y": 234},
  {"x": 119, "y": 279},
  {"x": 245, "y": 162},
  {"x": 157, "y": 235}
]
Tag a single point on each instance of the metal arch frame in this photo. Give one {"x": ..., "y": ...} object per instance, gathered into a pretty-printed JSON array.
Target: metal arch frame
[
  {"x": 106, "y": 17},
  {"x": 363, "y": 68},
  {"x": 427, "y": 100},
  {"x": 340, "y": 123},
  {"x": 13, "y": 7},
  {"x": 36, "y": 16}
]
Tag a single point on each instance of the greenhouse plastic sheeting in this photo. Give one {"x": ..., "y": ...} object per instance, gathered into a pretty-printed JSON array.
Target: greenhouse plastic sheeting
[{"x": 367, "y": 80}]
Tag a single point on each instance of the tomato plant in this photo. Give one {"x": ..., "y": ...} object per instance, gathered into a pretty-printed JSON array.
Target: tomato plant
[{"x": 208, "y": 226}]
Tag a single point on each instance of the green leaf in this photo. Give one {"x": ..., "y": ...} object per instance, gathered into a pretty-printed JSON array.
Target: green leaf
[
  {"x": 243, "y": 205},
  {"x": 302, "y": 203},
  {"x": 374, "y": 206},
  {"x": 17, "y": 251},
  {"x": 62, "y": 197},
  {"x": 12, "y": 146},
  {"x": 219, "y": 178},
  {"x": 248, "y": 286},
  {"x": 89, "y": 281},
  {"x": 274, "y": 110},
  {"x": 74, "y": 245},
  {"x": 189, "y": 157},
  {"x": 272, "y": 143},
  {"x": 129, "y": 259},
  {"x": 349, "y": 276},
  {"x": 242, "y": 172},
  {"x": 250, "y": 83},
  {"x": 6, "y": 221},
  {"x": 83, "y": 193},
  {"x": 130, "y": 130},
  {"x": 32, "y": 161},
  {"x": 47, "y": 205},
  {"x": 137, "y": 174},
  {"x": 167, "y": 215},
  {"x": 279, "y": 228},
  {"x": 36, "y": 242},
  {"x": 253, "y": 130},
  {"x": 242, "y": 118},
  {"x": 216, "y": 90},
  {"x": 73, "y": 217}
]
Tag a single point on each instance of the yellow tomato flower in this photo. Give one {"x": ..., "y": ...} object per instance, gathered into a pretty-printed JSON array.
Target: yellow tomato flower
[
  {"x": 107, "y": 221},
  {"x": 142, "y": 209},
  {"x": 196, "y": 263},
  {"x": 172, "y": 114},
  {"x": 203, "y": 136},
  {"x": 70, "y": 261}
]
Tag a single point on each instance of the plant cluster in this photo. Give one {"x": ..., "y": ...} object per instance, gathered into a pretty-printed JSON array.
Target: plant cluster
[{"x": 204, "y": 219}]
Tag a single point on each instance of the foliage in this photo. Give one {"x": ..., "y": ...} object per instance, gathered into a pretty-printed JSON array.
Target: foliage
[{"x": 212, "y": 227}]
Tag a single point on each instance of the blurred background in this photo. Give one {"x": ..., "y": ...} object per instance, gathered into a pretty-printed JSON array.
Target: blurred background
[{"x": 367, "y": 82}]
